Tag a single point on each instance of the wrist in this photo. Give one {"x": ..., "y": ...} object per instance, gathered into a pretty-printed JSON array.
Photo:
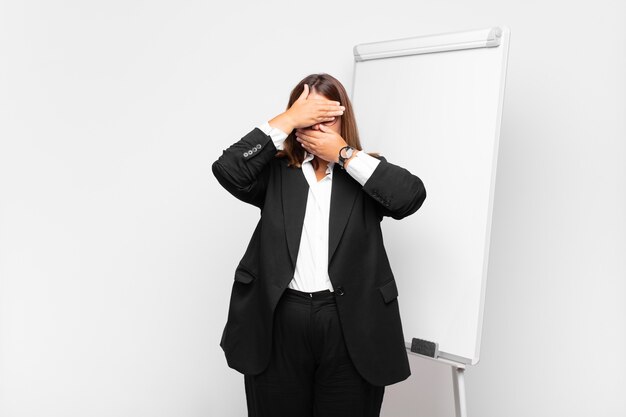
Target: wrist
[
  {"x": 337, "y": 154},
  {"x": 347, "y": 161},
  {"x": 283, "y": 122}
]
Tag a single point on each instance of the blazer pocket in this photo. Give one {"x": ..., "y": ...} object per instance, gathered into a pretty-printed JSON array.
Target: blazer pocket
[
  {"x": 389, "y": 291},
  {"x": 243, "y": 275}
]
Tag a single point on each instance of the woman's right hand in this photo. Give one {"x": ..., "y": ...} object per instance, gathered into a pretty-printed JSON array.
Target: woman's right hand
[{"x": 305, "y": 112}]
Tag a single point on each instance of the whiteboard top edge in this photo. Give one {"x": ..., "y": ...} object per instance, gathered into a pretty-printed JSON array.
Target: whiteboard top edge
[{"x": 449, "y": 41}]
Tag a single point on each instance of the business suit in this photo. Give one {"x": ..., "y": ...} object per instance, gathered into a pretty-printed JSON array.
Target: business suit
[{"x": 365, "y": 288}]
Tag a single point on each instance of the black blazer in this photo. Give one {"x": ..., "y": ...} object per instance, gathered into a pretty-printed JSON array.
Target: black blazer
[{"x": 359, "y": 270}]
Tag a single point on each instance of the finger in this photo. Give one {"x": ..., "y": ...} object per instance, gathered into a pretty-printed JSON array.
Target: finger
[
  {"x": 301, "y": 136},
  {"x": 305, "y": 92},
  {"x": 330, "y": 106},
  {"x": 325, "y": 104},
  {"x": 329, "y": 102},
  {"x": 332, "y": 110},
  {"x": 310, "y": 134},
  {"x": 325, "y": 118},
  {"x": 319, "y": 119},
  {"x": 304, "y": 145},
  {"x": 305, "y": 137}
]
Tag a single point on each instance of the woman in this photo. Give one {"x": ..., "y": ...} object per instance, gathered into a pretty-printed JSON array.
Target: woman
[{"x": 313, "y": 321}]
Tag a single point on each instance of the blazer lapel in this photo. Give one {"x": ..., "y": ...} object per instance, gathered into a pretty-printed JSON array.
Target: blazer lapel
[
  {"x": 342, "y": 197},
  {"x": 295, "y": 191}
]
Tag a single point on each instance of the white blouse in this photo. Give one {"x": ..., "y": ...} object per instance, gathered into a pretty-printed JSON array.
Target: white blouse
[{"x": 311, "y": 273}]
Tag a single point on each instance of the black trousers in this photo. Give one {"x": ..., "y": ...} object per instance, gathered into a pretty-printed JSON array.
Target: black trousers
[{"x": 310, "y": 373}]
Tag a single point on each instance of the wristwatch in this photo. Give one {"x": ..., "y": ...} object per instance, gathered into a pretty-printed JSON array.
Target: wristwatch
[{"x": 345, "y": 153}]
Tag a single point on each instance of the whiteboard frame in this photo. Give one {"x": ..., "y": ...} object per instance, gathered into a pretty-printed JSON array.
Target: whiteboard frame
[{"x": 449, "y": 41}]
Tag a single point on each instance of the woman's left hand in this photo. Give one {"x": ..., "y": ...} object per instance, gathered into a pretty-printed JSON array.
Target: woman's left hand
[{"x": 324, "y": 143}]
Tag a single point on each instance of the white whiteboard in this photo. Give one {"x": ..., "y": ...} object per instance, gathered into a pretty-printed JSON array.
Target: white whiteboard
[{"x": 433, "y": 104}]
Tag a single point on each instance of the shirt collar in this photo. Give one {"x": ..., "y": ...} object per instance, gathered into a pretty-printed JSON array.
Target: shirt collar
[{"x": 308, "y": 157}]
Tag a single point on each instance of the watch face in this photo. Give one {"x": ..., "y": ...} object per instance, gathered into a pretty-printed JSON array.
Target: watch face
[{"x": 347, "y": 152}]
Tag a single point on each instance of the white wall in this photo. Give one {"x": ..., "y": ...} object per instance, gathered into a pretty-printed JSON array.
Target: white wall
[{"x": 117, "y": 245}]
